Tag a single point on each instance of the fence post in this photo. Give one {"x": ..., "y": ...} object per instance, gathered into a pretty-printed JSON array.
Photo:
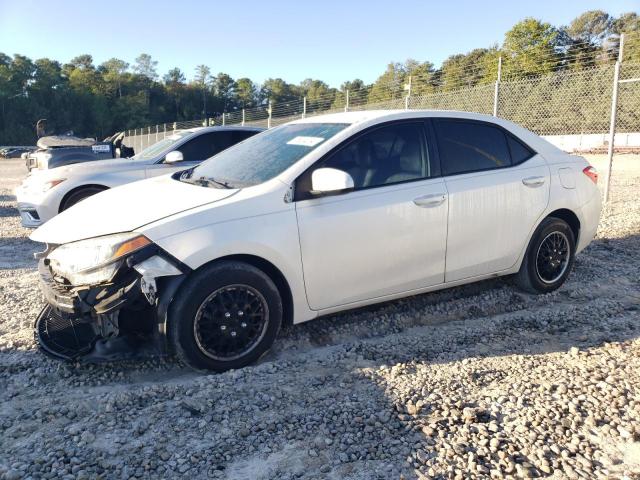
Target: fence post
[
  {"x": 148, "y": 136},
  {"x": 407, "y": 87},
  {"x": 243, "y": 117},
  {"x": 304, "y": 107},
  {"x": 164, "y": 132},
  {"x": 496, "y": 92},
  {"x": 223, "y": 120},
  {"x": 174, "y": 127},
  {"x": 612, "y": 125},
  {"x": 346, "y": 105},
  {"x": 269, "y": 117},
  {"x": 157, "y": 128}
]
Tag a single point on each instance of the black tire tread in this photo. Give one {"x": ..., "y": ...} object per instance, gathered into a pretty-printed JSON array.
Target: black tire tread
[
  {"x": 194, "y": 284},
  {"x": 524, "y": 278}
]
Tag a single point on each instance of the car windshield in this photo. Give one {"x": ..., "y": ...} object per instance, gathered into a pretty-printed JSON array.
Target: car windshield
[
  {"x": 262, "y": 156},
  {"x": 154, "y": 150}
]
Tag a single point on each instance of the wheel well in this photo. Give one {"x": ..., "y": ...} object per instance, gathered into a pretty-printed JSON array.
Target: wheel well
[
  {"x": 77, "y": 189},
  {"x": 276, "y": 275},
  {"x": 569, "y": 217}
]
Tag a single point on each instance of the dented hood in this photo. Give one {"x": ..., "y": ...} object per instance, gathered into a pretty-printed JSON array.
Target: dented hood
[{"x": 126, "y": 208}]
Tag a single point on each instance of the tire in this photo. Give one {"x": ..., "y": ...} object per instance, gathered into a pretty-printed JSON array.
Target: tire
[
  {"x": 80, "y": 195},
  {"x": 202, "y": 318},
  {"x": 538, "y": 274}
]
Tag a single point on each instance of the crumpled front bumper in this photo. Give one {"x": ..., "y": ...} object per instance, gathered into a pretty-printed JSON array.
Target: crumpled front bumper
[
  {"x": 111, "y": 320},
  {"x": 80, "y": 301}
]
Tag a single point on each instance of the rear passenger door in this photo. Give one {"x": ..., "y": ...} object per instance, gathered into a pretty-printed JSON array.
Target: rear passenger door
[{"x": 498, "y": 188}]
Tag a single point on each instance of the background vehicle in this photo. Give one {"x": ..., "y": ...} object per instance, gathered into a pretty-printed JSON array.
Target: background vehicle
[
  {"x": 45, "y": 193},
  {"x": 59, "y": 150},
  {"x": 15, "y": 152},
  {"x": 314, "y": 217}
]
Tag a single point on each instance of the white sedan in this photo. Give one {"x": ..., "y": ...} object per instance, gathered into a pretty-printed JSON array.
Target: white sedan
[
  {"x": 313, "y": 217},
  {"x": 45, "y": 193}
]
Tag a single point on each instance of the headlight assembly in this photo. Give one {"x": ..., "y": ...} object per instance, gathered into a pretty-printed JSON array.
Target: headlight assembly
[
  {"x": 42, "y": 160},
  {"x": 94, "y": 260}
]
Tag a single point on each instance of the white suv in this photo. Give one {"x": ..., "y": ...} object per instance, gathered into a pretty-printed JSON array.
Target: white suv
[{"x": 313, "y": 217}]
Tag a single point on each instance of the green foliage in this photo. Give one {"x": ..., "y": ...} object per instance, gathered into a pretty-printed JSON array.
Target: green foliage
[
  {"x": 99, "y": 100},
  {"x": 531, "y": 47}
]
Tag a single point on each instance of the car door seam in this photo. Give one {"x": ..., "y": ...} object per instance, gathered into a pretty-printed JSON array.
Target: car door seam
[{"x": 304, "y": 278}]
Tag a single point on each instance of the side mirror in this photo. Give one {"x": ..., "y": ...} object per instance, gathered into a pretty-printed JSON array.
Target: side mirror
[
  {"x": 173, "y": 157},
  {"x": 330, "y": 180}
]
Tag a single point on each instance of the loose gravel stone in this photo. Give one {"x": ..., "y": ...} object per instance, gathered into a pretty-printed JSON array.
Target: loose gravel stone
[{"x": 477, "y": 381}]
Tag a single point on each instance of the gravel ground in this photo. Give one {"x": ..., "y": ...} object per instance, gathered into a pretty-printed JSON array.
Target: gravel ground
[{"x": 477, "y": 381}]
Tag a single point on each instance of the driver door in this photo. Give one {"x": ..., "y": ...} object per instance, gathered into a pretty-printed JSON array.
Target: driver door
[{"x": 388, "y": 235}]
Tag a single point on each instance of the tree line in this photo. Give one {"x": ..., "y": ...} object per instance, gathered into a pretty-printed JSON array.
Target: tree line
[{"x": 97, "y": 100}]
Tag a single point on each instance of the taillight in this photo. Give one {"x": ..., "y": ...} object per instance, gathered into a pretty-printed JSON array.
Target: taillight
[{"x": 592, "y": 173}]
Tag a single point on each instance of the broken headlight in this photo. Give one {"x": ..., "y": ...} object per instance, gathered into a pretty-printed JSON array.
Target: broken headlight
[{"x": 94, "y": 260}]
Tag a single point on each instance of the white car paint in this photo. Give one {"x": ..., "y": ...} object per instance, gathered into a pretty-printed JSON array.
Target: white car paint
[
  {"x": 361, "y": 247},
  {"x": 32, "y": 195},
  {"x": 498, "y": 208}
]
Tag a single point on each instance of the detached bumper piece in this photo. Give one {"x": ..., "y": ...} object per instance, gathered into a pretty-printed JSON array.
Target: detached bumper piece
[{"x": 63, "y": 336}]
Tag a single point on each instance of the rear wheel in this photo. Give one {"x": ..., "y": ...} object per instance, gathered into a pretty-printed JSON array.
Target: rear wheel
[
  {"x": 80, "y": 195},
  {"x": 549, "y": 257},
  {"x": 226, "y": 316}
]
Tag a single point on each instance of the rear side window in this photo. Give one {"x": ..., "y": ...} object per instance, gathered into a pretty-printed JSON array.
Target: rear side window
[
  {"x": 240, "y": 135},
  {"x": 519, "y": 152},
  {"x": 471, "y": 146},
  {"x": 204, "y": 146}
]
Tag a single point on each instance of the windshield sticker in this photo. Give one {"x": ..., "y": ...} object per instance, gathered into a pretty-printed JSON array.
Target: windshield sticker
[
  {"x": 306, "y": 141},
  {"x": 100, "y": 148}
]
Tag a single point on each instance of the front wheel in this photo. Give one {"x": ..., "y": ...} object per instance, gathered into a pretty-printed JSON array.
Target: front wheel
[
  {"x": 80, "y": 195},
  {"x": 549, "y": 257},
  {"x": 226, "y": 316}
]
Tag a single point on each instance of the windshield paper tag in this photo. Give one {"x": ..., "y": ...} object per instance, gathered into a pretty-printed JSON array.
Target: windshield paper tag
[
  {"x": 306, "y": 141},
  {"x": 100, "y": 148}
]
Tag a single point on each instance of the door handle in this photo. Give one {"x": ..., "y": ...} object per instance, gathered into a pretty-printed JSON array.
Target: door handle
[
  {"x": 533, "y": 181},
  {"x": 430, "y": 200}
]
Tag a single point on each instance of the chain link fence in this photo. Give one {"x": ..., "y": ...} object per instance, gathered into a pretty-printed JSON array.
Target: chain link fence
[{"x": 576, "y": 104}]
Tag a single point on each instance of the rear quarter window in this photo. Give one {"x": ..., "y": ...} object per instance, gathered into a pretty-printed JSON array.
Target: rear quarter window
[{"x": 519, "y": 151}]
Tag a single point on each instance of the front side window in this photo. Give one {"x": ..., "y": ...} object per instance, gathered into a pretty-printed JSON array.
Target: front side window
[
  {"x": 262, "y": 157},
  {"x": 469, "y": 146},
  {"x": 384, "y": 156},
  {"x": 157, "y": 148}
]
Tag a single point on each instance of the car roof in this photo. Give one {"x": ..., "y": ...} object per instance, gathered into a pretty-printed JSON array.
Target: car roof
[
  {"x": 365, "y": 118},
  {"x": 354, "y": 117},
  {"x": 222, "y": 128}
]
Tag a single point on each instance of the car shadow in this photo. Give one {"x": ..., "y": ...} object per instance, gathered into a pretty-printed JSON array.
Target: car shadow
[{"x": 9, "y": 212}]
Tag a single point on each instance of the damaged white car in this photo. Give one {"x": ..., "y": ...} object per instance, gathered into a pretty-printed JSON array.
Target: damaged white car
[{"x": 313, "y": 217}]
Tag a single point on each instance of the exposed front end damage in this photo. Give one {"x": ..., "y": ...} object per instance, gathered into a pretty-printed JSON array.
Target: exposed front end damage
[{"x": 121, "y": 318}]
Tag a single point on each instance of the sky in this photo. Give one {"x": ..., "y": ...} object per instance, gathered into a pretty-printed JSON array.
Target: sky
[{"x": 330, "y": 40}]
